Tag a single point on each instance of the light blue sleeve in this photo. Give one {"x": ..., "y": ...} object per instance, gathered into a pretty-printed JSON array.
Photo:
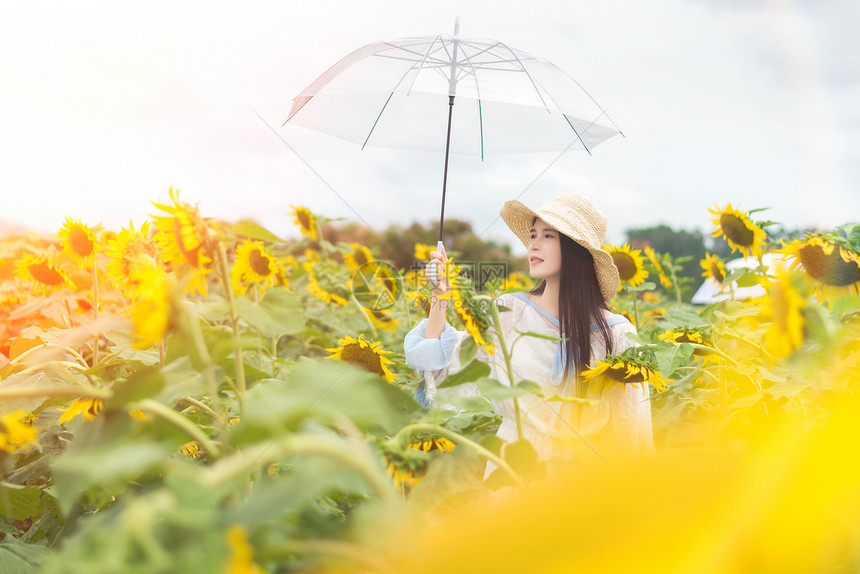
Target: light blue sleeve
[{"x": 429, "y": 354}]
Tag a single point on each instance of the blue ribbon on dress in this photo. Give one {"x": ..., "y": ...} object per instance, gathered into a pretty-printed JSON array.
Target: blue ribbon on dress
[{"x": 559, "y": 358}]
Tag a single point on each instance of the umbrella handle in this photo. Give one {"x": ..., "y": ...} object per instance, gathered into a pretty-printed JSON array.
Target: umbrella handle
[{"x": 434, "y": 274}]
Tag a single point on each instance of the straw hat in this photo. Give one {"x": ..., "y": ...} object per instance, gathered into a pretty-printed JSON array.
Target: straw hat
[{"x": 575, "y": 216}]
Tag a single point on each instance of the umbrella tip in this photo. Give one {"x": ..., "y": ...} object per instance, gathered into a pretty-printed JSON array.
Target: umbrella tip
[{"x": 457, "y": 26}]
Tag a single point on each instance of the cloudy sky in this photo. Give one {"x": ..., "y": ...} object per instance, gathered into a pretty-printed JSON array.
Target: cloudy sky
[{"x": 106, "y": 105}]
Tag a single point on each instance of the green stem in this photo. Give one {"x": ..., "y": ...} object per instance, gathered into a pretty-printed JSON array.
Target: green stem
[
  {"x": 32, "y": 351},
  {"x": 635, "y": 308},
  {"x": 457, "y": 439},
  {"x": 675, "y": 283},
  {"x": 208, "y": 368},
  {"x": 262, "y": 454},
  {"x": 201, "y": 406},
  {"x": 96, "y": 337},
  {"x": 274, "y": 355},
  {"x": 497, "y": 326},
  {"x": 259, "y": 334},
  {"x": 366, "y": 314},
  {"x": 65, "y": 391},
  {"x": 238, "y": 358},
  {"x": 179, "y": 422}
]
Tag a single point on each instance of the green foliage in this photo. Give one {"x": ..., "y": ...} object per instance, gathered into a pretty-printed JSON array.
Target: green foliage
[{"x": 236, "y": 429}]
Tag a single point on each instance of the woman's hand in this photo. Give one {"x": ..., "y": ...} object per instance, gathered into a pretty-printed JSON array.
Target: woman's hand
[{"x": 434, "y": 272}]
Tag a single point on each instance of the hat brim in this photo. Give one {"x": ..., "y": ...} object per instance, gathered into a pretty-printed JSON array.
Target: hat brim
[{"x": 519, "y": 217}]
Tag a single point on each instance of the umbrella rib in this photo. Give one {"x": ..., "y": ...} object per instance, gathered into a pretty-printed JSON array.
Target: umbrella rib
[
  {"x": 421, "y": 64},
  {"x": 377, "y": 121},
  {"x": 529, "y": 76},
  {"x": 577, "y": 133}
]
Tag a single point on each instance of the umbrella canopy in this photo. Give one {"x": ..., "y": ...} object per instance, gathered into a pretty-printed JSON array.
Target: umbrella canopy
[{"x": 394, "y": 94}]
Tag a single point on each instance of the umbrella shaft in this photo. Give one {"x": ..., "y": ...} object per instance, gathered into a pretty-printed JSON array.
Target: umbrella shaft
[{"x": 445, "y": 174}]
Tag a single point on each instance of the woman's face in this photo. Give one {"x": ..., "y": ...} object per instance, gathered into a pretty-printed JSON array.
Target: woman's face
[{"x": 544, "y": 251}]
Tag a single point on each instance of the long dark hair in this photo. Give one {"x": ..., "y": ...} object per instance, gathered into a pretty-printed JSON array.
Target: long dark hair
[{"x": 580, "y": 305}]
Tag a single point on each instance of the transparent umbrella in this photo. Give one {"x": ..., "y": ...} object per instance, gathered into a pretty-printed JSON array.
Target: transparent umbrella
[{"x": 401, "y": 93}]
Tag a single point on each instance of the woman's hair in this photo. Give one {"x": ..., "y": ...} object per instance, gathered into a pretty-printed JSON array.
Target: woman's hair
[{"x": 580, "y": 305}]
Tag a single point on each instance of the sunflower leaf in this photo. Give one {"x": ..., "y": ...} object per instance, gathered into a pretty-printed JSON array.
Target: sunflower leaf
[
  {"x": 19, "y": 502},
  {"x": 494, "y": 390},
  {"x": 279, "y": 313},
  {"x": 669, "y": 358},
  {"x": 539, "y": 335},
  {"x": 751, "y": 211},
  {"x": 468, "y": 350},
  {"x": 647, "y": 286},
  {"x": 575, "y": 400},
  {"x": 144, "y": 383},
  {"x": 523, "y": 458},
  {"x": 474, "y": 370},
  {"x": 253, "y": 230}
]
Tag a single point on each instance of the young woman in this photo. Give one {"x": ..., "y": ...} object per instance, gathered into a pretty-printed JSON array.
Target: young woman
[{"x": 564, "y": 238}]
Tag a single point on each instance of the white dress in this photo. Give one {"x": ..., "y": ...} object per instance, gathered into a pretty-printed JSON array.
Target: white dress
[{"x": 619, "y": 425}]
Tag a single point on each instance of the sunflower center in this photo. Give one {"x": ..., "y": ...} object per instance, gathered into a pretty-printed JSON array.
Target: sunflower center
[
  {"x": 360, "y": 259},
  {"x": 45, "y": 273},
  {"x": 304, "y": 219},
  {"x": 625, "y": 264},
  {"x": 736, "y": 230},
  {"x": 80, "y": 242},
  {"x": 259, "y": 263},
  {"x": 828, "y": 269},
  {"x": 717, "y": 273},
  {"x": 362, "y": 357},
  {"x": 618, "y": 372}
]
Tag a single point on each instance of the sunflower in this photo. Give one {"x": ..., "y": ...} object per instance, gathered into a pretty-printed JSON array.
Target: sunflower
[
  {"x": 16, "y": 432},
  {"x": 832, "y": 266},
  {"x": 475, "y": 325},
  {"x": 253, "y": 265},
  {"x": 317, "y": 290},
  {"x": 306, "y": 221},
  {"x": 630, "y": 264},
  {"x": 41, "y": 273},
  {"x": 614, "y": 371},
  {"x": 441, "y": 444},
  {"x": 358, "y": 256},
  {"x": 90, "y": 408},
  {"x": 188, "y": 240},
  {"x": 682, "y": 335},
  {"x": 407, "y": 474},
  {"x": 517, "y": 281},
  {"x": 389, "y": 279},
  {"x": 679, "y": 335},
  {"x": 785, "y": 310},
  {"x": 738, "y": 230},
  {"x": 652, "y": 256},
  {"x": 191, "y": 450},
  {"x": 78, "y": 240},
  {"x": 715, "y": 269},
  {"x": 125, "y": 251},
  {"x": 422, "y": 251},
  {"x": 364, "y": 355},
  {"x": 152, "y": 314},
  {"x": 383, "y": 319}
]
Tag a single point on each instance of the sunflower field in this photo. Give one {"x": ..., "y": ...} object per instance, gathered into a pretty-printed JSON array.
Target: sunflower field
[{"x": 194, "y": 395}]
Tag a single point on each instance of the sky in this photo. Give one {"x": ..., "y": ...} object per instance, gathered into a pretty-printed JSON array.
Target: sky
[{"x": 104, "y": 106}]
